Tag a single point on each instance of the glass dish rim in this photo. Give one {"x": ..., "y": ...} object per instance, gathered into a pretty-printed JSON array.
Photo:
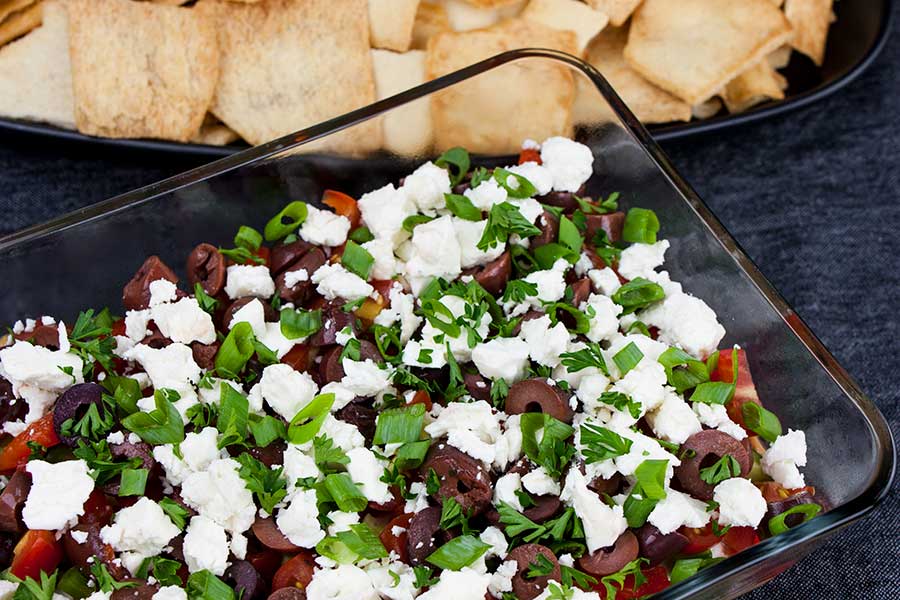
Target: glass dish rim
[{"x": 880, "y": 479}]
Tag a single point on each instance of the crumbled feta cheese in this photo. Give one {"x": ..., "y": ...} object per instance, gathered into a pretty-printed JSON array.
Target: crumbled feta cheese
[
  {"x": 605, "y": 281},
  {"x": 37, "y": 375},
  {"x": 324, "y": 228},
  {"x": 298, "y": 465},
  {"x": 472, "y": 428},
  {"x": 498, "y": 543},
  {"x": 162, "y": 291},
  {"x": 435, "y": 253},
  {"x": 781, "y": 460},
  {"x": 643, "y": 448},
  {"x": 341, "y": 521},
  {"x": 686, "y": 322},
  {"x": 383, "y": 212},
  {"x": 345, "y": 436},
  {"x": 249, "y": 280},
  {"x": 268, "y": 334},
  {"x": 673, "y": 420},
  {"x": 382, "y": 251},
  {"x": 365, "y": 377},
  {"x": 419, "y": 500},
  {"x": 286, "y": 390},
  {"x": 502, "y": 358},
  {"x": 465, "y": 584},
  {"x": 184, "y": 321},
  {"x": 401, "y": 309},
  {"x": 501, "y": 580},
  {"x": 539, "y": 483},
  {"x": 740, "y": 502},
  {"x": 198, "y": 450},
  {"x": 220, "y": 494},
  {"x": 366, "y": 470},
  {"x": 602, "y": 524},
  {"x": 486, "y": 194},
  {"x": 393, "y": 581},
  {"x": 292, "y": 278},
  {"x": 603, "y": 316},
  {"x": 170, "y": 592},
  {"x": 344, "y": 582},
  {"x": 546, "y": 341},
  {"x": 426, "y": 187},
  {"x": 205, "y": 546},
  {"x": 116, "y": 437},
  {"x": 640, "y": 260},
  {"x": 171, "y": 367},
  {"x": 509, "y": 447},
  {"x": 540, "y": 176},
  {"x": 590, "y": 387},
  {"x": 57, "y": 495},
  {"x": 469, "y": 233},
  {"x": 505, "y": 490},
  {"x": 136, "y": 323},
  {"x": 142, "y": 528},
  {"x": 645, "y": 383},
  {"x": 676, "y": 510},
  {"x": 570, "y": 163},
  {"x": 334, "y": 281},
  {"x": 716, "y": 415},
  {"x": 529, "y": 208}
]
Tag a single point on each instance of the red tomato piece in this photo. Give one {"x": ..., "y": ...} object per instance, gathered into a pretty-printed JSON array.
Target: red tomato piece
[
  {"x": 296, "y": 572},
  {"x": 657, "y": 579},
  {"x": 700, "y": 539},
  {"x": 744, "y": 392},
  {"x": 422, "y": 397},
  {"x": 774, "y": 492},
  {"x": 16, "y": 452},
  {"x": 739, "y": 538},
  {"x": 266, "y": 562},
  {"x": 343, "y": 205},
  {"x": 529, "y": 155},
  {"x": 396, "y": 543},
  {"x": 383, "y": 287},
  {"x": 297, "y": 357},
  {"x": 37, "y": 551}
]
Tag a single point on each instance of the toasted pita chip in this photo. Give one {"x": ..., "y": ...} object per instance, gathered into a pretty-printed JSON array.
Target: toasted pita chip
[
  {"x": 494, "y": 112},
  {"x": 466, "y": 16},
  {"x": 140, "y": 69},
  {"x": 391, "y": 23},
  {"x": 755, "y": 85},
  {"x": 431, "y": 19},
  {"x": 780, "y": 58},
  {"x": 706, "y": 109},
  {"x": 215, "y": 134},
  {"x": 8, "y": 7},
  {"x": 491, "y": 3},
  {"x": 692, "y": 48},
  {"x": 568, "y": 15},
  {"x": 618, "y": 10},
  {"x": 810, "y": 20},
  {"x": 288, "y": 65},
  {"x": 20, "y": 22},
  {"x": 170, "y": 2},
  {"x": 35, "y": 76},
  {"x": 407, "y": 130},
  {"x": 649, "y": 103}
]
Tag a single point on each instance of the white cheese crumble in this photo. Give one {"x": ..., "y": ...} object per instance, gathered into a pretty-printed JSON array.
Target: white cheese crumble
[
  {"x": 471, "y": 428},
  {"x": 435, "y": 253},
  {"x": 740, "y": 502},
  {"x": 366, "y": 470},
  {"x": 426, "y": 187},
  {"x": 502, "y": 358},
  {"x": 781, "y": 460},
  {"x": 142, "y": 529},
  {"x": 57, "y": 495},
  {"x": 459, "y": 585},
  {"x": 676, "y": 510},
  {"x": 286, "y": 390},
  {"x": 686, "y": 322},
  {"x": 382, "y": 251},
  {"x": 570, "y": 163},
  {"x": 198, "y": 450},
  {"x": 324, "y": 228},
  {"x": 249, "y": 280},
  {"x": 545, "y": 341},
  {"x": 205, "y": 546},
  {"x": 220, "y": 494},
  {"x": 641, "y": 260},
  {"x": 602, "y": 524},
  {"x": 38, "y": 375},
  {"x": 334, "y": 281},
  {"x": 344, "y": 582},
  {"x": 716, "y": 416},
  {"x": 384, "y": 210},
  {"x": 402, "y": 307}
]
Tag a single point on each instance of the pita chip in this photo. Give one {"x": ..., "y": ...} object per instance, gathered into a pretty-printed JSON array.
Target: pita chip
[
  {"x": 20, "y": 22},
  {"x": 466, "y": 16},
  {"x": 692, "y": 48},
  {"x": 810, "y": 20},
  {"x": 568, "y": 15},
  {"x": 35, "y": 76},
  {"x": 755, "y": 85},
  {"x": 780, "y": 58},
  {"x": 214, "y": 133},
  {"x": 407, "y": 130},
  {"x": 8, "y": 7},
  {"x": 431, "y": 19},
  {"x": 707, "y": 109},
  {"x": 506, "y": 112},
  {"x": 618, "y": 10},
  {"x": 391, "y": 23},
  {"x": 649, "y": 103},
  {"x": 288, "y": 65}
]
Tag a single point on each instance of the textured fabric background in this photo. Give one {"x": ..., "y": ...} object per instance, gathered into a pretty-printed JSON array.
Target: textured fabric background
[{"x": 813, "y": 197}]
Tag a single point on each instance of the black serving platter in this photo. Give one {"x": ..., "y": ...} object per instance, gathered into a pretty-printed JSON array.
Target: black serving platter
[{"x": 856, "y": 38}]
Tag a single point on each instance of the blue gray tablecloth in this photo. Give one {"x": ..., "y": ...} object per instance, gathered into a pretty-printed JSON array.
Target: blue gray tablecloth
[{"x": 813, "y": 197}]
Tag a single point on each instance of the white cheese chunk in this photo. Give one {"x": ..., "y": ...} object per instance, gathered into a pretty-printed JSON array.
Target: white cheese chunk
[
  {"x": 383, "y": 212},
  {"x": 570, "y": 163},
  {"x": 435, "y": 253},
  {"x": 286, "y": 390},
  {"x": 676, "y": 510},
  {"x": 249, "y": 280},
  {"x": 686, "y": 322},
  {"x": 38, "y": 375},
  {"x": 470, "y": 427},
  {"x": 539, "y": 483},
  {"x": 469, "y": 234},
  {"x": 673, "y": 420},
  {"x": 205, "y": 546},
  {"x": 366, "y": 470},
  {"x": 382, "y": 251},
  {"x": 334, "y": 281},
  {"x": 57, "y": 494},
  {"x": 299, "y": 520},
  {"x": 781, "y": 460},
  {"x": 602, "y": 524},
  {"x": 716, "y": 415},
  {"x": 324, "y": 228},
  {"x": 426, "y": 187},
  {"x": 545, "y": 341},
  {"x": 344, "y": 582},
  {"x": 198, "y": 450},
  {"x": 184, "y": 321},
  {"x": 741, "y": 504},
  {"x": 502, "y": 358},
  {"x": 640, "y": 260},
  {"x": 465, "y": 584},
  {"x": 221, "y": 494},
  {"x": 142, "y": 528}
]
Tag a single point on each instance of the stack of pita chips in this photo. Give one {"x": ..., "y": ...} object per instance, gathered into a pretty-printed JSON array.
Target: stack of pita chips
[{"x": 217, "y": 71}]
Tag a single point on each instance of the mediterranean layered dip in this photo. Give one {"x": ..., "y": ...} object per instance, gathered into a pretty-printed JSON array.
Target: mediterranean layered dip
[{"x": 474, "y": 384}]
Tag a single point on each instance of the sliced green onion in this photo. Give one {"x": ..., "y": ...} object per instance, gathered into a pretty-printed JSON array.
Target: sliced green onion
[
  {"x": 523, "y": 187},
  {"x": 569, "y": 236},
  {"x": 388, "y": 343},
  {"x": 547, "y": 255},
  {"x": 522, "y": 261},
  {"x": 177, "y": 513},
  {"x": 411, "y": 455},
  {"x": 410, "y": 222},
  {"x": 236, "y": 350},
  {"x": 651, "y": 477},
  {"x": 683, "y": 371},
  {"x": 637, "y": 294},
  {"x": 462, "y": 207},
  {"x": 713, "y": 392},
  {"x": 345, "y": 493},
  {"x": 133, "y": 483},
  {"x": 266, "y": 430},
  {"x": 206, "y": 302},
  {"x": 308, "y": 421},
  {"x": 582, "y": 323},
  {"x": 641, "y": 226},
  {"x": 628, "y": 358},
  {"x": 459, "y": 552},
  {"x": 286, "y": 221},
  {"x": 362, "y": 541},
  {"x": 433, "y": 290},
  {"x": 357, "y": 259},
  {"x": 163, "y": 425},
  {"x": 203, "y": 585},
  {"x": 73, "y": 584},
  {"x": 400, "y": 425},
  {"x": 336, "y": 550},
  {"x": 361, "y": 235},
  {"x": 778, "y": 524},
  {"x": 299, "y": 323},
  {"x": 760, "y": 421},
  {"x": 248, "y": 238},
  {"x": 688, "y": 567},
  {"x": 456, "y": 161},
  {"x": 125, "y": 391},
  {"x": 637, "y": 508}
]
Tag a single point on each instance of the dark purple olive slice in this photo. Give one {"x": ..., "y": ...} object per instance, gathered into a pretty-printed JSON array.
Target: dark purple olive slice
[
  {"x": 12, "y": 500},
  {"x": 708, "y": 446},
  {"x": 525, "y": 556},
  {"x": 477, "y": 386},
  {"x": 332, "y": 369},
  {"x": 288, "y": 593},
  {"x": 73, "y": 404},
  {"x": 361, "y": 416},
  {"x": 284, "y": 255},
  {"x": 611, "y": 223},
  {"x": 549, "y": 226},
  {"x": 42, "y": 335},
  {"x": 581, "y": 289},
  {"x": 461, "y": 477},
  {"x": 7, "y": 544},
  {"x": 606, "y": 561},
  {"x": 494, "y": 276},
  {"x": 206, "y": 266},
  {"x": 269, "y": 313},
  {"x": 298, "y": 291},
  {"x": 544, "y": 508},
  {"x": 136, "y": 293},
  {"x": 246, "y": 580},
  {"x": 273, "y": 454},
  {"x": 271, "y": 537},
  {"x": 780, "y": 506},
  {"x": 144, "y": 591},
  {"x": 424, "y": 534},
  {"x": 205, "y": 354},
  {"x": 334, "y": 319},
  {"x": 610, "y": 486},
  {"x": 155, "y": 339},
  {"x": 656, "y": 546},
  {"x": 564, "y": 200},
  {"x": 536, "y": 395}
]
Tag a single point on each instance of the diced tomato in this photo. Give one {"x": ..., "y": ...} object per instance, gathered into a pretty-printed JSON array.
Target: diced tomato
[
  {"x": 392, "y": 506},
  {"x": 37, "y": 551},
  {"x": 296, "y": 572},
  {"x": 297, "y": 357},
  {"x": 774, "y": 492},
  {"x": 657, "y": 580},
  {"x": 263, "y": 253},
  {"x": 739, "y": 538},
  {"x": 343, "y": 205},
  {"x": 118, "y": 327},
  {"x": 529, "y": 155},
  {"x": 383, "y": 287},
  {"x": 422, "y": 397},
  {"x": 16, "y": 452},
  {"x": 700, "y": 539},
  {"x": 396, "y": 543},
  {"x": 745, "y": 390},
  {"x": 266, "y": 562}
]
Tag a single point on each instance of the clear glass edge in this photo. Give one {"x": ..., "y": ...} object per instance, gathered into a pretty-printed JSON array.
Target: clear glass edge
[{"x": 880, "y": 480}]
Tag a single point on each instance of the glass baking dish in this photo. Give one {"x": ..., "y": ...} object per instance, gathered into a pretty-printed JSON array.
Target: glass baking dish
[{"x": 82, "y": 260}]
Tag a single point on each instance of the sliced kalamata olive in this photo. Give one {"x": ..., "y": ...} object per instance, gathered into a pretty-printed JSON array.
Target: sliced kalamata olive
[
  {"x": 528, "y": 316},
  {"x": 284, "y": 255},
  {"x": 581, "y": 289},
  {"x": 7, "y": 544},
  {"x": 11, "y": 408},
  {"x": 425, "y": 534},
  {"x": 477, "y": 386},
  {"x": 206, "y": 266},
  {"x": 362, "y": 416},
  {"x": 544, "y": 508},
  {"x": 268, "y": 312},
  {"x": 205, "y": 354},
  {"x": 536, "y": 395},
  {"x": 609, "y": 560},
  {"x": 84, "y": 554},
  {"x": 564, "y": 200},
  {"x": 298, "y": 291},
  {"x": 611, "y": 223},
  {"x": 526, "y": 555},
  {"x": 128, "y": 450},
  {"x": 494, "y": 276},
  {"x": 42, "y": 335},
  {"x": 246, "y": 580},
  {"x": 549, "y": 226},
  {"x": 12, "y": 500},
  {"x": 656, "y": 546},
  {"x": 270, "y": 536},
  {"x": 288, "y": 593},
  {"x": 610, "y": 486},
  {"x": 72, "y": 404},
  {"x": 143, "y": 591},
  {"x": 708, "y": 446},
  {"x": 393, "y": 506},
  {"x": 779, "y": 506},
  {"x": 155, "y": 338},
  {"x": 332, "y": 369},
  {"x": 273, "y": 454},
  {"x": 461, "y": 477},
  {"x": 136, "y": 294},
  {"x": 334, "y": 319}
]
